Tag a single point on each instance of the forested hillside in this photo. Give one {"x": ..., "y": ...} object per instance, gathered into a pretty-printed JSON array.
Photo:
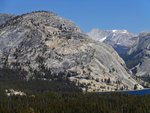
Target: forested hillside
[
  {"x": 62, "y": 96},
  {"x": 14, "y": 79},
  {"x": 75, "y": 103}
]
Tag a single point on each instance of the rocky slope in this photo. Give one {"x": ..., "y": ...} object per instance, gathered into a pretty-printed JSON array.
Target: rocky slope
[
  {"x": 5, "y": 17},
  {"x": 139, "y": 55},
  {"x": 43, "y": 38},
  {"x": 120, "y": 40}
]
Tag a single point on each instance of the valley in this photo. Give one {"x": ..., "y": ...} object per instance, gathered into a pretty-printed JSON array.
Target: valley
[{"x": 49, "y": 65}]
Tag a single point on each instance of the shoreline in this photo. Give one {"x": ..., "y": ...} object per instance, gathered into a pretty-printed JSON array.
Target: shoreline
[{"x": 123, "y": 91}]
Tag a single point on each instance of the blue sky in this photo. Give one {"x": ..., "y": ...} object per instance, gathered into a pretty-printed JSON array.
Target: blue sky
[{"x": 133, "y": 15}]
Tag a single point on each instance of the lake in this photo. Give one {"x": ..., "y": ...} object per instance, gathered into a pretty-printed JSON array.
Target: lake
[{"x": 138, "y": 92}]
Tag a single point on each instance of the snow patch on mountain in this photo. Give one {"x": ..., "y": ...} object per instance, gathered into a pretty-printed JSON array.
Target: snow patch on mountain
[
  {"x": 124, "y": 38},
  {"x": 102, "y": 39}
]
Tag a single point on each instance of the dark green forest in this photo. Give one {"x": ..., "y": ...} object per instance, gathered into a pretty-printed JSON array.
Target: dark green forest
[
  {"x": 62, "y": 96},
  {"x": 72, "y": 102}
]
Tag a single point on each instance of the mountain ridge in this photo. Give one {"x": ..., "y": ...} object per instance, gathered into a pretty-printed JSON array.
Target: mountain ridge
[
  {"x": 120, "y": 40},
  {"x": 5, "y": 17},
  {"x": 43, "y": 39},
  {"x": 139, "y": 55}
]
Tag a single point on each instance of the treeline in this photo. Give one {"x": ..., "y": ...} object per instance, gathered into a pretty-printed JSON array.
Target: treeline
[
  {"x": 58, "y": 95},
  {"x": 76, "y": 103},
  {"x": 15, "y": 79}
]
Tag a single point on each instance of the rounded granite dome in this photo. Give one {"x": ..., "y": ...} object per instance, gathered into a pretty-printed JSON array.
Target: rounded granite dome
[
  {"x": 39, "y": 39},
  {"x": 44, "y": 18}
]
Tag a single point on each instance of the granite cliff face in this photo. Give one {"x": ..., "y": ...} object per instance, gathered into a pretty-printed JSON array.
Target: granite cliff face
[
  {"x": 5, "y": 17},
  {"x": 120, "y": 40},
  {"x": 139, "y": 55},
  {"x": 44, "y": 39}
]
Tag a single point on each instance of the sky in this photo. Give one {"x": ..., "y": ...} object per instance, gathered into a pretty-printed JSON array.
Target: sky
[{"x": 132, "y": 15}]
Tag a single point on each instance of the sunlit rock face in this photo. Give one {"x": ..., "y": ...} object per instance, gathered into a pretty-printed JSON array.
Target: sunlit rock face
[
  {"x": 120, "y": 40},
  {"x": 5, "y": 17},
  {"x": 42, "y": 38},
  {"x": 139, "y": 55}
]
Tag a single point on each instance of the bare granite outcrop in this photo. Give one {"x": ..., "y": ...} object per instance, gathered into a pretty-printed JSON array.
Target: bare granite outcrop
[{"x": 44, "y": 38}]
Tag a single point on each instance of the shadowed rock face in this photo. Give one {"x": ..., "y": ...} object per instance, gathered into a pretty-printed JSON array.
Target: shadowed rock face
[
  {"x": 45, "y": 39},
  {"x": 5, "y": 17},
  {"x": 139, "y": 55},
  {"x": 120, "y": 40}
]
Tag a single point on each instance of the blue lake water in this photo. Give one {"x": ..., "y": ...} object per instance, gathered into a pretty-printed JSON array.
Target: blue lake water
[{"x": 138, "y": 92}]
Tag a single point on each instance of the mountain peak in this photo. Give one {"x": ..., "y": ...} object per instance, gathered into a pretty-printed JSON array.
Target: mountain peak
[
  {"x": 42, "y": 13},
  {"x": 120, "y": 40},
  {"x": 41, "y": 41},
  {"x": 118, "y": 31},
  {"x": 40, "y": 19},
  {"x": 139, "y": 55},
  {"x": 144, "y": 33}
]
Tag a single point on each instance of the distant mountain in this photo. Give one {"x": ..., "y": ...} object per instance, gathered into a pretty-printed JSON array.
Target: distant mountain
[
  {"x": 5, "y": 17},
  {"x": 41, "y": 41},
  {"x": 120, "y": 40},
  {"x": 139, "y": 55}
]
